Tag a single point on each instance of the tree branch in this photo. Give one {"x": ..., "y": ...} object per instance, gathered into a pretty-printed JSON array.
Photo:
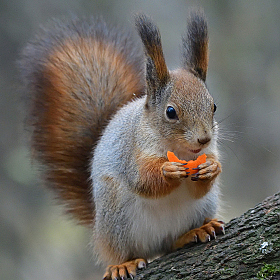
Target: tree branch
[{"x": 251, "y": 241}]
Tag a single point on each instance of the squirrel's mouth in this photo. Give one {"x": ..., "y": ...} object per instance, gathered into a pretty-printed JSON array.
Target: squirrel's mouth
[{"x": 195, "y": 151}]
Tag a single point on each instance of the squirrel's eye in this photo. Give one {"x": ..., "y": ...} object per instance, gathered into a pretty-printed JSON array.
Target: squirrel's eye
[
  {"x": 171, "y": 113},
  {"x": 215, "y": 107}
]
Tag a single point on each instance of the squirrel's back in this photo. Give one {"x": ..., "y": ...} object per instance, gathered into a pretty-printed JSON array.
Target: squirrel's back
[{"x": 79, "y": 73}]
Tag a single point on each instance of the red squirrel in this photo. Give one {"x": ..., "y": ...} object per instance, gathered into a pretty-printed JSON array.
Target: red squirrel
[{"x": 104, "y": 114}]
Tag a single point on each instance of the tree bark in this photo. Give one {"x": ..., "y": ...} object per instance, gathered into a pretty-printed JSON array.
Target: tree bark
[{"x": 251, "y": 242}]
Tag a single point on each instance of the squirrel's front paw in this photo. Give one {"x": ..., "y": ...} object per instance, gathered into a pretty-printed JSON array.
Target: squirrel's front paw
[
  {"x": 125, "y": 270},
  {"x": 208, "y": 170},
  {"x": 174, "y": 170}
]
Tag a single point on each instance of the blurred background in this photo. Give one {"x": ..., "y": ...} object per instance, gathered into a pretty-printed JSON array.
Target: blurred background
[{"x": 36, "y": 240}]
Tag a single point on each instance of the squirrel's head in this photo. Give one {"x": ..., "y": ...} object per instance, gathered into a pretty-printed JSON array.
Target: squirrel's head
[{"x": 178, "y": 103}]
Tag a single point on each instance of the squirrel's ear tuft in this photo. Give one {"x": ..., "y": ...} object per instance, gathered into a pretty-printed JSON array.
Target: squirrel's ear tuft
[
  {"x": 157, "y": 73},
  {"x": 195, "y": 45}
]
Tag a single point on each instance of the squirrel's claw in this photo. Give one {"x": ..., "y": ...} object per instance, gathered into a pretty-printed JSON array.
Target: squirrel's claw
[{"x": 197, "y": 168}]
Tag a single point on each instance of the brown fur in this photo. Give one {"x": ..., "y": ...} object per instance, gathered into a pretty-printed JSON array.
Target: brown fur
[
  {"x": 80, "y": 84},
  {"x": 200, "y": 188},
  {"x": 156, "y": 54},
  {"x": 152, "y": 182}
]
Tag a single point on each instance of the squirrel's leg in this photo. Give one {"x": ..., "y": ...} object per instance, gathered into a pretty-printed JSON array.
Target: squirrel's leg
[
  {"x": 159, "y": 177},
  {"x": 125, "y": 270},
  {"x": 203, "y": 234},
  {"x": 202, "y": 182}
]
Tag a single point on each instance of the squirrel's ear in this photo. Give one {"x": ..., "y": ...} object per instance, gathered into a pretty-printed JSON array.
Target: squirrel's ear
[
  {"x": 195, "y": 45},
  {"x": 157, "y": 73}
]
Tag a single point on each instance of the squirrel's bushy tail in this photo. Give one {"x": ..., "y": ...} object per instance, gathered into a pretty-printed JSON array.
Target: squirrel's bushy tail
[{"x": 79, "y": 73}]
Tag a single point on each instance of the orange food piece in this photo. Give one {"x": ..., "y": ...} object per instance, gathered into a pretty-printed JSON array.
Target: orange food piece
[
  {"x": 172, "y": 158},
  {"x": 188, "y": 164}
]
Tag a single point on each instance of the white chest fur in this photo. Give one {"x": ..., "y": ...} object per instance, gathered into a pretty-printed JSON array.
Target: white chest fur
[{"x": 157, "y": 223}]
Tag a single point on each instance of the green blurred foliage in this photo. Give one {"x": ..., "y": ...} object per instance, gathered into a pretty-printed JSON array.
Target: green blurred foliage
[{"x": 37, "y": 240}]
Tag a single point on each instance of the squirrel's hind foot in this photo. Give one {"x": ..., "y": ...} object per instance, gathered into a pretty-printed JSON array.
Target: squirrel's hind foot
[
  {"x": 203, "y": 234},
  {"x": 125, "y": 270}
]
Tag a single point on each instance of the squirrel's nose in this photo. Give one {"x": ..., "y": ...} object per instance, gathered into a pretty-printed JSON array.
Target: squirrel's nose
[{"x": 203, "y": 140}]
